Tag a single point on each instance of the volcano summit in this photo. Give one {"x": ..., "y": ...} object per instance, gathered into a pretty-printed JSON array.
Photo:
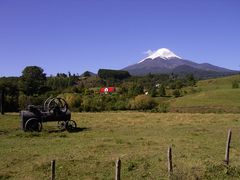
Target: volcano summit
[{"x": 164, "y": 61}]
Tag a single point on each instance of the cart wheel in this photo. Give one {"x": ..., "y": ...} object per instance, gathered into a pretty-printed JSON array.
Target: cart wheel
[
  {"x": 71, "y": 125},
  {"x": 62, "y": 125},
  {"x": 33, "y": 124},
  {"x": 45, "y": 105},
  {"x": 57, "y": 104}
]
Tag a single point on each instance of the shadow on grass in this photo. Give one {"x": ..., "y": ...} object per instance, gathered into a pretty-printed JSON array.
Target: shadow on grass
[
  {"x": 3, "y": 132},
  {"x": 75, "y": 130},
  {"x": 4, "y": 176},
  {"x": 78, "y": 129}
]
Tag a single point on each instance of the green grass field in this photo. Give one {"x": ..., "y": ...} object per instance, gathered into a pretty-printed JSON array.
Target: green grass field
[
  {"x": 139, "y": 139},
  {"x": 213, "y": 95}
]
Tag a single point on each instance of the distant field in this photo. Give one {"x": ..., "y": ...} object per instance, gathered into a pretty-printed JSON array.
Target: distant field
[
  {"x": 139, "y": 139},
  {"x": 213, "y": 95}
]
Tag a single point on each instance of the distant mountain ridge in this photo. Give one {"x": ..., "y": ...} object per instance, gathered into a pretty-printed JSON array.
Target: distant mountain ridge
[
  {"x": 165, "y": 61},
  {"x": 88, "y": 73}
]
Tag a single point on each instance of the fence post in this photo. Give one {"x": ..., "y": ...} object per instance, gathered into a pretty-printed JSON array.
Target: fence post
[
  {"x": 228, "y": 147},
  {"x": 53, "y": 170},
  {"x": 169, "y": 156},
  {"x": 118, "y": 170}
]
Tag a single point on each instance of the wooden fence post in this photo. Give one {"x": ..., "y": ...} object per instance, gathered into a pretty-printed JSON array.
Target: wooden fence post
[
  {"x": 228, "y": 147},
  {"x": 169, "y": 156},
  {"x": 118, "y": 170},
  {"x": 53, "y": 170}
]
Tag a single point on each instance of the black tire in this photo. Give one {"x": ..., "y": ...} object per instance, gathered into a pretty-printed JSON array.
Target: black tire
[
  {"x": 71, "y": 125},
  {"x": 62, "y": 125},
  {"x": 33, "y": 124}
]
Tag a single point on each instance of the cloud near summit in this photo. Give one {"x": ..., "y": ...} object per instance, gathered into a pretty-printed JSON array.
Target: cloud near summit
[{"x": 149, "y": 52}]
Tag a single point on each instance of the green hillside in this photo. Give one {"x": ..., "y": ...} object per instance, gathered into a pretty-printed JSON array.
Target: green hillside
[{"x": 213, "y": 95}]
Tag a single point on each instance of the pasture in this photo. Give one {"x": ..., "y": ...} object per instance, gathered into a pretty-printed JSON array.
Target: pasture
[
  {"x": 140, "y": 140},
  {"x": 212, "y": 95}
]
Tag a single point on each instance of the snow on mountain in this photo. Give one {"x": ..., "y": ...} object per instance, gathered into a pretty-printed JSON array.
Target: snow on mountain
[
  {"x": 163, "y": 53},
  {"x": 164, "y": 61}
]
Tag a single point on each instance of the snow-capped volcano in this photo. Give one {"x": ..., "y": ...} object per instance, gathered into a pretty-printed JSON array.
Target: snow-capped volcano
[
  {"x": 165, "y": 61},
  {"x": 162, "y": 53}
]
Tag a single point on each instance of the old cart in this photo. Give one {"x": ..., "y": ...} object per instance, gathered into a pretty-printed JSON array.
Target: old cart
[{"x": 54, "y": 109}]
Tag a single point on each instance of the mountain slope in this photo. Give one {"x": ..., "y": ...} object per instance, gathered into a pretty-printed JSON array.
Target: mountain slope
[
  {"x": 165, "y": 61},
  {"x": 199, "y": 73},
  {"x": 88, "y": 73}
]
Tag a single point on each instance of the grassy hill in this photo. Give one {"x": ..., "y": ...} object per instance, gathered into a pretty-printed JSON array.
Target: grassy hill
[{"x": 213, "y": 95}]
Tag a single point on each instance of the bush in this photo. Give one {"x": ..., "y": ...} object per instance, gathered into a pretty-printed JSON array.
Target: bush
[
  {"x": 87, "y": 104},
  {"x": 11, "y": 103},
  {"x": 120, "y": 105},
  {"x": 176, "y": 93},
  {"x": 142, "y": 102},
  {"x": 73, "y": 100},
  {"x": 24, "y": 100},
  {"x": 163, "y": 108},
  {"x": 235, "y": 84},
  {"x": 94, "y": 103},
  {"x": 134, "y": 90},
  {"x": 97, "y": 103}
]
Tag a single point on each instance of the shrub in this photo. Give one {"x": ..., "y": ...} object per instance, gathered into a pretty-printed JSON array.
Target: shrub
[
  {"x": 134, "y": 90},
  {"x": 87, "y": 104},
  {"x": 176, "y": 93},
  {"x": 120, "y": 105},
  {"x": 24, "y": 100},
  {"x": 73, "y": 100},
  {"x": 11, "y": 103},
  {"x": 235, "y": 84},
  {"x": 163, "y": 108},
  {"x": 142, "y": 102}
]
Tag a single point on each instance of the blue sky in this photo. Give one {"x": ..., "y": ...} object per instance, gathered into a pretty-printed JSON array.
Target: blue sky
[{"x": 80, "y": 35}]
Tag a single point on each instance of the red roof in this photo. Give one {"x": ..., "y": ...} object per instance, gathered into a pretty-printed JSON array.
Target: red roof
[{"x": 107, "y": 89}]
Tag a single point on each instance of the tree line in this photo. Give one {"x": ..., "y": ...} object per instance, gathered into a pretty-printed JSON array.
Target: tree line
[{"x": 82, "y": 92}]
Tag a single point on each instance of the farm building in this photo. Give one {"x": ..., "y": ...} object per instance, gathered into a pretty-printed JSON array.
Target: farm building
[{"x": 107, "y": 90}]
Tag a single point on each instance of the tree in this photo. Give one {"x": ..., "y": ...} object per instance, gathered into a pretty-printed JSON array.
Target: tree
[
  {"x": 135, "y": 89},
  {"x": 32, "y": 80},
  {"x": 179, "y": 84},
  {"x": 162, "y": 91},
  {"x": 10, "y": 87},
  {"x": 191, "y": 80},
  {"x": 153, "y": 91},
  {"x": 113, "y": 74}
]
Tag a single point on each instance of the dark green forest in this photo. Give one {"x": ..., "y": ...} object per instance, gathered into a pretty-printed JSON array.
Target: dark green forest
[{"x": 82, "y": 92}]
